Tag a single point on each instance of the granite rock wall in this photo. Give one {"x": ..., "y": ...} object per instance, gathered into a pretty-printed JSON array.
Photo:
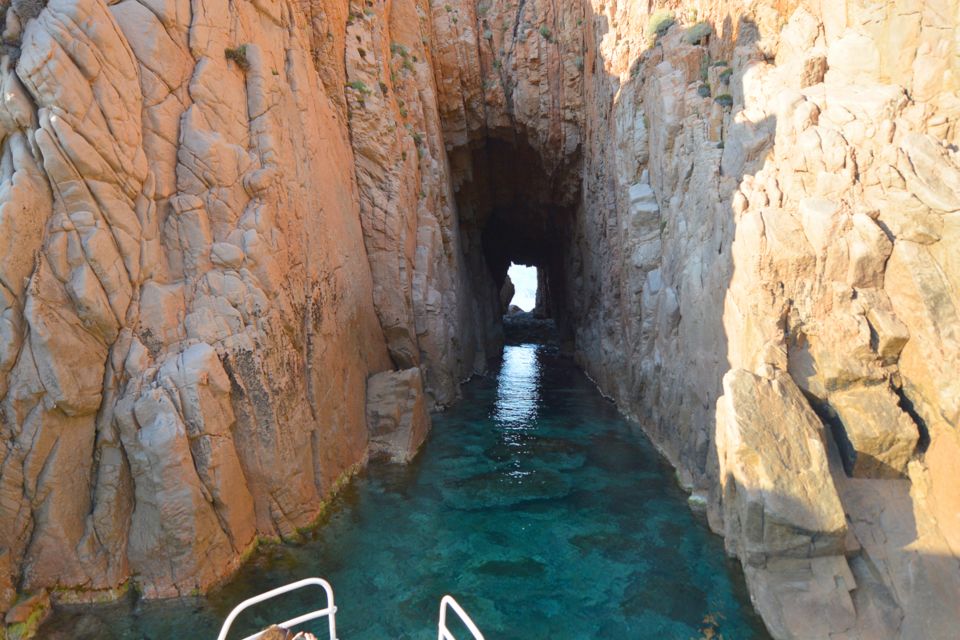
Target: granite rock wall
[
  {"x": 219, "y": 219},
  {"x": 767, "y": 228}
]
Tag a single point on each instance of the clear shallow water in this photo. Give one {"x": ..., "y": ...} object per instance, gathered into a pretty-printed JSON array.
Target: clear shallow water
[{"x": 534, "y": 503}]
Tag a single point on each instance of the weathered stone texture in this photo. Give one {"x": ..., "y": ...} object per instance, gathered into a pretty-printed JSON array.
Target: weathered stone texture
[
  {"x": 778, "y": 495},
  {"x": 881, "y": 437},
  {"x": 396, "y": 414},
  {"x": 185, "y": 315},
  {"x": 802, "y": 161},
  {"x": 218, "y": 220}
]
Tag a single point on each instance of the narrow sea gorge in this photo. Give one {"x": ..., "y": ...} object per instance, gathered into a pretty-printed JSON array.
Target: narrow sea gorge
[
  {"x": 533, "y": 502},
  {"x": 246, "y": 248}
]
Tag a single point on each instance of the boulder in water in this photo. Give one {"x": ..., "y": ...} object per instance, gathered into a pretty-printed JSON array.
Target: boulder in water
[{"x": 397, "y": 417}]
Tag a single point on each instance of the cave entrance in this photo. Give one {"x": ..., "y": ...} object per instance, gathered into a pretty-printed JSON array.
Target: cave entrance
[
  {"x": 517, "y": 211},
  {"x": 526, "y": 319},
  {"x": 519, "y": 290}
]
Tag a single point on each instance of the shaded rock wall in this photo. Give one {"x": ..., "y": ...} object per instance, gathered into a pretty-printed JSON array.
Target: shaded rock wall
[{"x": 775, "y": 199}]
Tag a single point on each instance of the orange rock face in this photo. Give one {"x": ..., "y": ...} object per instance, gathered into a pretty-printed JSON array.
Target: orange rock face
[
  {"x": 188, "y": 320},
  {"x": 218, "y": 220}
]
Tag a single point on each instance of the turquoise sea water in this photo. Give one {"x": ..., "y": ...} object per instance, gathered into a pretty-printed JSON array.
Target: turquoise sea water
[{"x": 544, "y": 512}]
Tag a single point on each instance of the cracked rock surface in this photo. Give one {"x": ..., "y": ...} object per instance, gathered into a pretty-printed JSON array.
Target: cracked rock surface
[{"x": 219, "y": 219}]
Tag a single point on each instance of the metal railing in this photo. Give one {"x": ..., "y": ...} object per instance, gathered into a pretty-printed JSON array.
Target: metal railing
[
  {"x": 444, "y": 632},
  {"x": 329, "y": 611}
]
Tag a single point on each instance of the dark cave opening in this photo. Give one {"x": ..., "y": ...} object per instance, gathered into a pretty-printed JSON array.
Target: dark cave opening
[{"x": 516, "y": 209}]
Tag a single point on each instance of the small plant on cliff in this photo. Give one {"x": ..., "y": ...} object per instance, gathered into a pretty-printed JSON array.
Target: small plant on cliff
[
  {"x": 545, "y": 32},
  {"x": 359, "y": 87},
  {"x": 698, "y": 33},
  {"x": 703, "y": 91},
  {"x": 725, "y": 100},
  {"x": 239, "y": 56},
  {"x": 660, "y": 23},
  {"x": 725, "y": 75}
]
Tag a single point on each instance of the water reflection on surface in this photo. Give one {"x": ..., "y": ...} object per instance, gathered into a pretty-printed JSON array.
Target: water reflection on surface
[
  {"x": 518, "y": 388},
  {"x": 533, "y": 502}
]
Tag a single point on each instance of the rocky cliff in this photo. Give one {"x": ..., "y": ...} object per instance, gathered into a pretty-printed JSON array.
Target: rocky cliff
[
  {"x": 219, "y": 219},
  {"x": 187, "y": 314},
  {"x": 769, "y": 281}
]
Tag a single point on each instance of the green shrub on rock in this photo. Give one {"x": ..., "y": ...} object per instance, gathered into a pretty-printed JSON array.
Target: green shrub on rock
[
  {"x": 697, "y": 33},
  {"x": 660, "y": 23},
  {"x": 725, "y": 100},
  {"x": 239, "y": 56}
]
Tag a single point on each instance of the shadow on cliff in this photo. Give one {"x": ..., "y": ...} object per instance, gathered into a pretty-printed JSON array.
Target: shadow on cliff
[
  {"x": 687, "y": 89},
  {"x": 893, "y": 574}
]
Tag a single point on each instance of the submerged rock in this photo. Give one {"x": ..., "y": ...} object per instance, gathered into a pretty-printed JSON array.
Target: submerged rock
[{"x": 277, "y": 633}]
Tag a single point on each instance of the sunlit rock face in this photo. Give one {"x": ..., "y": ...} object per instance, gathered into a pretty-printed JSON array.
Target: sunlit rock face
[
  {"x": 187, "y": 316},
  {"x": 218, "y": 219}
]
